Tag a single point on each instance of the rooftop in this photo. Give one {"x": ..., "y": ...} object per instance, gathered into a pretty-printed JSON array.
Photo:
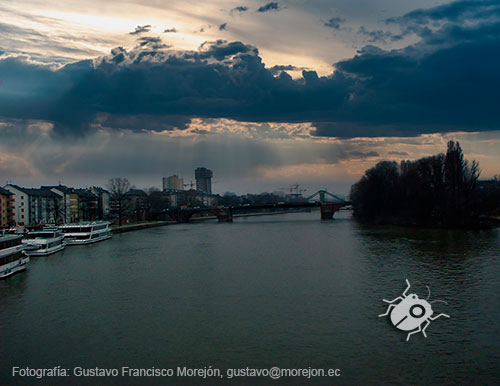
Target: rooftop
[{"x": 5, "y": 192}]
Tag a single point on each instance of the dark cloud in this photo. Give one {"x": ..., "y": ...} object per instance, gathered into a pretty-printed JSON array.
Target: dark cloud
[
  {"x": 239, "y": 9},
  {"x": 448, "y": 81},
  {"x": 223, "y": 27},
  {"x": 457, "y": 11},
  {"x": 423, "y": 22},
  {"x": 143, "y": 122},
  {"x": 273, "y": 6},
  {"x": 289, "y": 67},
  {"x": 141, "y": 29},
  {"x": 334, "y": 22},
  {"x": 151, "y": 42},
  {"x": 221, "y": 49},
  {"x": 375, "y": 36},
  {"x": 170, "y": 30},
  {"x": 401, "y": 153}
]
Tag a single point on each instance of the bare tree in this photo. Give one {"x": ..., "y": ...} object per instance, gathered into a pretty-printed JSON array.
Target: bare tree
[
  {"x": 118, "y": 188},
  {"x": 57, "y": 209}
]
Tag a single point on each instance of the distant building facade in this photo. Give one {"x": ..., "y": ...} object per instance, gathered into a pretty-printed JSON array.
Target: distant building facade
[
  {"x": 7, "y": 206},
  {"x": 137, "y": 204},
  {"x": 70, "y": 202},
  {"x": 103, "y": 202},
  {"x": 173, "y": 199},
  {"x": 87, "y": 205},
  {"x": 173, "y": 183},
  {"x": 35, "y": 206},
  {"x": 203, "y": 178}
]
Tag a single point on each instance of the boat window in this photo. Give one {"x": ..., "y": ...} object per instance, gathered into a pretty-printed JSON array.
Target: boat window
[
  {"x": 10, "y": 242},
  {"x": 10, "y": 258},
  {"x": 44, "y": 235},
  {"x": 77, "y": 229}
]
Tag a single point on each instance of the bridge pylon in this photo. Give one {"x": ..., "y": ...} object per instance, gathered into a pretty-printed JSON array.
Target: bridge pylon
[
  {"x": 223, "y": 214},
  {"x": 328, "y": 209}
]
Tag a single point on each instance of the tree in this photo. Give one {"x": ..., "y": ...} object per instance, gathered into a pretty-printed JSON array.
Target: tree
[
  {"x": 53, "y": 208},
  {"x": 152, "y": 189},
  {"x": 437, "y": 190},
  {"x": 58, "y": 210},
  {"x": 118, "y": 188},
  {"x": 376, "y": 194},
  {"x": 460, "y": 181}
]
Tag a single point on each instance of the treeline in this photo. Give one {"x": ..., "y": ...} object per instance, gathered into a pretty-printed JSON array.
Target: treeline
[{"x": 441, "y": 190}]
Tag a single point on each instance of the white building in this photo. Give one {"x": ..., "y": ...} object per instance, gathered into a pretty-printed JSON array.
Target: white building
[{"x": 35, "y": 206}]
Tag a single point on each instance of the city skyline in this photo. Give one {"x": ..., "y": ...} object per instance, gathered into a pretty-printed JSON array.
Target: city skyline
[{"x": 89, "y": 92}]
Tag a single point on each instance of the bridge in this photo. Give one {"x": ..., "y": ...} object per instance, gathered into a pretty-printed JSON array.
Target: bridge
[{"x": 328, "y": 203}]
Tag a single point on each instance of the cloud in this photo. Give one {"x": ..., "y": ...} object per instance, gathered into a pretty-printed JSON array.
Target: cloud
[
  {"x": 359, "y": 154},
  {"x": 223, "y": 27},
  {"x": 448, "y": 81},
  {"x": 141, "y": 29},
  {"x": 425, "y": 22},
  {"x": 374, "y": 36},
  {"x": 402, "y": 153},
  {"x": 239, "y": 9},
  {"x": 457, "y": 11},
  {"x": 16, "y": 39},
  {"x": 151, "y": 42},
  {"x": 249, "y": 148},
  {"x": 170, "y": 30},
  {"x": 334, "y": 22},
  {"x": 221, "y": 49},
  {"x": 273, "y": 6},
  {"x": 203, "y": 28},
  {"x": 289, "y": 67}
]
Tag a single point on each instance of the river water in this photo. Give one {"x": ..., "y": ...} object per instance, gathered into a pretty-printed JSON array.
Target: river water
[{"x": 284, "y": 290}]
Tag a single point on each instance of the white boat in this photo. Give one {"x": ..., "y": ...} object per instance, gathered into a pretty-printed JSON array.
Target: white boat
[
  {"x": 44, "y": 242},
  {"x": 12, "y": 256},
  {"x": 86, "y": 233}
]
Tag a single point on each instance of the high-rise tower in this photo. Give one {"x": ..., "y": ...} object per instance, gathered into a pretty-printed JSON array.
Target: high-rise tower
[{"x": 203, "y": 180}]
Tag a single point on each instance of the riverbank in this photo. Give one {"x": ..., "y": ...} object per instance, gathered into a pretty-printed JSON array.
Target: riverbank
[
  {"x": 243, "y": 215},
  {"x": 138, "y": 226},
  {"x": 154, "y": 224}
]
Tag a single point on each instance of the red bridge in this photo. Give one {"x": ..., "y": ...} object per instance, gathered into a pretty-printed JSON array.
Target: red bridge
[{"x": 329, "y": 203}]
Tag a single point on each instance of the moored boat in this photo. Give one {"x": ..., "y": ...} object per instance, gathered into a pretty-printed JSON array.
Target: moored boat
[
  {"x": 12, "y": 256},
  {"x": 44, "y": 242},
  {"x": 86, "y": 233}
]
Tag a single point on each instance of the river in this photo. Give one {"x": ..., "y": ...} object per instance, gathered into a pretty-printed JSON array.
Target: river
[{"x": 286, "y": 290}]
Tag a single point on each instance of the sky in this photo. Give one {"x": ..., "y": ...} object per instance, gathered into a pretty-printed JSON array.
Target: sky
[{"x": 266, "y": 94}]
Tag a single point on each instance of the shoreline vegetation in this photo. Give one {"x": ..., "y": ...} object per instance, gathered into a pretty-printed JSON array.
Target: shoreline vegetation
[{"x": 439, "y": 191}]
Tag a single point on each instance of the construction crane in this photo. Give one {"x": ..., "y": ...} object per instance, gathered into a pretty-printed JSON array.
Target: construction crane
[{"x": 296, "y": 190}]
